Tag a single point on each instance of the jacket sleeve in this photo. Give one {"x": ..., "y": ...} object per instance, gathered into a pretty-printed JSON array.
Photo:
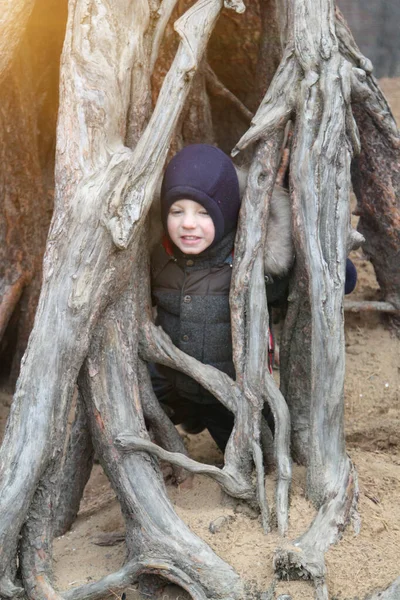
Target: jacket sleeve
[
  {"x": 277, "y": 288},
  {"x": 351, "y": 277}
]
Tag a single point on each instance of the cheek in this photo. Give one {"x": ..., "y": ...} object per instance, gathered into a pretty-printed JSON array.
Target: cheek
[
  {"x": 171, "y": 225},
  {"x": 210, "y": 230}
]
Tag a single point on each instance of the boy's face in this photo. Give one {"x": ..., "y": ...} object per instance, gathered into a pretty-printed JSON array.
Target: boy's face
[{"x": 190, "y": 227}]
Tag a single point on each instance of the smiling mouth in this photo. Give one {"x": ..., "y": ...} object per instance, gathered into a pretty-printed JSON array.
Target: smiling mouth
[{"x": 190, "y": 238}]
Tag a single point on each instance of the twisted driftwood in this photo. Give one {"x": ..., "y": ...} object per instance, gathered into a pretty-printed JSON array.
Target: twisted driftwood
[
  {"x": 83, "y": 273},
  {"x": 313, "y": 83}
]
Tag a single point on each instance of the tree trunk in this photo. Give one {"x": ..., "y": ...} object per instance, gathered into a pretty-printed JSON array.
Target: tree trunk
[
  {"x": 376, "y": 181},
  {"x": 24, "y": 212},
  {"x": 376, "y": 171},
  {"x": 28, "y": 94}
]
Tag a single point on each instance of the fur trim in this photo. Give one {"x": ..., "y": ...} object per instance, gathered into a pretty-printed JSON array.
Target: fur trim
[{"x": 279, "y": 249}]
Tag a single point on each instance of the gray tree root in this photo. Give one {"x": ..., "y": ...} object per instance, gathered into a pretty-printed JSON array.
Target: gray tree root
[
  {"x": 312, "y": 353},
  {"x": 161, "y": 427},
  {"x": 96, "y": 246},
  {"x": 392, "y": 592},
  {"x": 250, "y": 319},
  {"x": 370, "y": 306},
  {"x": 83, "y": 271},
  {"x": 153, "y": 530},
  {"x": 75, "y": 472},
  {"x": 235, "y": 477},
  {"x": 110, "y": 387}
]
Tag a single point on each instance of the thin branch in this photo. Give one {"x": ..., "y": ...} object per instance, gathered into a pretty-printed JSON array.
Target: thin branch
[
  {"x": 347, "y": 45},
  {"x": 217, "y": 88},
  {"x": 250, "y": 320},
  {"x": 369, "y": 306},
  {"x": 164, "y": 13},
  {"x": 156, "y": 346},
  {"x": 161, "y": 427},
  {"x": 130, "y": 443},
  {"x": 9, "y": 300},
  {"x": 277, "y": 106}
]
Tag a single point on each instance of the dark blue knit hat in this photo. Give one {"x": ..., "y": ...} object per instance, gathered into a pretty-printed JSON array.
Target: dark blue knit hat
[{"x": 206, "y": 175}]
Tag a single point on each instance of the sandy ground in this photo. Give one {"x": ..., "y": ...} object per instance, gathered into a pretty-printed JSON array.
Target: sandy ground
[{"x": 359, "y": 563}]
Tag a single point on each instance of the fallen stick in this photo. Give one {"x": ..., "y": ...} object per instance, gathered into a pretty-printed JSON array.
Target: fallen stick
[{"x": 357, "y": 306}]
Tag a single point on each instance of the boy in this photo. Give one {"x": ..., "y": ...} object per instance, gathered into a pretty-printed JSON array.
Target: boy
[{"x": 191, "y": 276}]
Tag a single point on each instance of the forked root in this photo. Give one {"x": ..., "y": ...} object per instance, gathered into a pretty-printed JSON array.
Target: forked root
[
  {"x": 116, "y": 582},
  {"x": 304, "y": 558}
]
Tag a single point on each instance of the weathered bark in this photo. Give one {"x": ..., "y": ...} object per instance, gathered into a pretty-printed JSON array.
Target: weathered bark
[
  {"x": 109, "y": 382},
  {"x": 313, "y": 344},
  {"x": 250, "y": 320},
  {"x": 75, "y": 472},
  {"x": 376, "y": 171},
  {"x": 80, "y": 280},
  {"x": 153, "y": 530}
]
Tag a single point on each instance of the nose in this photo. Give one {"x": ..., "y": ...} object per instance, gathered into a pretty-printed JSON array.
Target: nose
[{"x": 189, "y": 221}]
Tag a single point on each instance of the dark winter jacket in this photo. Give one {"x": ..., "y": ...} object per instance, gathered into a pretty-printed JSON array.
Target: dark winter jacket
[{"x": 191, "y": 293}]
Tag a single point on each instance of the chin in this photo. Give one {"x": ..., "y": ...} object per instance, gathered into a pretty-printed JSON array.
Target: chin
[{"x": 190, "y": 250}]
